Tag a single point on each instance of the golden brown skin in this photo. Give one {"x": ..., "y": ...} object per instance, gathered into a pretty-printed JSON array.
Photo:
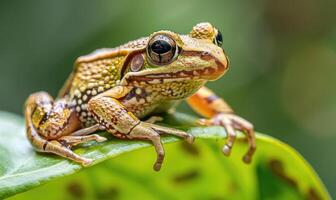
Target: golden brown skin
[{"x": 112, "y": 89}]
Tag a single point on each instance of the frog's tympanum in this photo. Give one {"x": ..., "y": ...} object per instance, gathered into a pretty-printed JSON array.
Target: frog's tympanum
[{"x": 113, "y": 89}]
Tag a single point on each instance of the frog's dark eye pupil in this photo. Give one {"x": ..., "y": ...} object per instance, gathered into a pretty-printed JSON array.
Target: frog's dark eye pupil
[
  {"x": 219, "y": 39},
  {"x": 161, "y": 50},
  {"x": 160, "y": 47}
]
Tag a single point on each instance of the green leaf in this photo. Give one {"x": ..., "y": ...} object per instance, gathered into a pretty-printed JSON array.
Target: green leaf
[{"x": 196, "y": 171}]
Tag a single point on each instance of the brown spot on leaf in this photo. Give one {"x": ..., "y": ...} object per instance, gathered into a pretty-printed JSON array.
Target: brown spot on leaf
[
  {"x": 188, "y": 176},
  {"x": 109, "y": 193},
  {"x": 312, "y": 194},
  {"x": 278, "y": 169},
  {"x": 76, "y": 190}
]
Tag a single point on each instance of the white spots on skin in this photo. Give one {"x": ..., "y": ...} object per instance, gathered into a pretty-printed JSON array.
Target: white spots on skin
[
  {"x": 84, "y": 106},
  {"x": 132, "y": 101},
  {"x": 142, "y": 101},
  {"x": 101, "y": 89},
  {"x": 82, "y": 118},
  {"x": 148, "y": 98},
  {"x": 183, "y": 74},
  {"x": 138, "y": 91},
  {"x": 77, "y": 93},
  {"x": 91, "y": 85},
  {"x": 82, "y": 89}
]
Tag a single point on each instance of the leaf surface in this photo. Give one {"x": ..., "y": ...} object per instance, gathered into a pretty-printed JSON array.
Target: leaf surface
[{"x": 189, "y": 172}]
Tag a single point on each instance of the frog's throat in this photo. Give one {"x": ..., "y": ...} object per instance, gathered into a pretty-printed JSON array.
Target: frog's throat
[{"x": 213, "y": 72}]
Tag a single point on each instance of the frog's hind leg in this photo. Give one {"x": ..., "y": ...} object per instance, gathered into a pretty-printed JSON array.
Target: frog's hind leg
[{"x": 47, "y": 122}]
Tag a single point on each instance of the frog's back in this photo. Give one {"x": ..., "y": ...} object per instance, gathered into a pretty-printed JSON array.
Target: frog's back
[
  {"x": 95, "y": 73},
  {"x": 100, "y": 65},
  {"x": 96, "y": 76}
]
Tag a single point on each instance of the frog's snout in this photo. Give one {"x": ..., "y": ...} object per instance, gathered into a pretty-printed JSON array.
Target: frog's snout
[{"x": 218, "y": 64}]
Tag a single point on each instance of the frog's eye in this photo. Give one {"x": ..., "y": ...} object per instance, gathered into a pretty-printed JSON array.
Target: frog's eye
[
  {"x": 161, "y": 50},
  {"x": 218, "y": 40}
]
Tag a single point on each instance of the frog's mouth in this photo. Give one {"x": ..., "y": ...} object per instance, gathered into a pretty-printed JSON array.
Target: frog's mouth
[{"x": 155, "y": 76}]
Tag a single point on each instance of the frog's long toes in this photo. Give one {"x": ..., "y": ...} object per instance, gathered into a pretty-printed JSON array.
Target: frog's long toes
[{"x": 226, "y": 150}]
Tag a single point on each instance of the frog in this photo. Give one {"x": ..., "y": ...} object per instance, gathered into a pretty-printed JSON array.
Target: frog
[{"x": 123, "y": 90}]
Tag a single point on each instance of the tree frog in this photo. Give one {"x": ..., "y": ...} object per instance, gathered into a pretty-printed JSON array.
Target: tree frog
[{"x": 113, "y": 89}]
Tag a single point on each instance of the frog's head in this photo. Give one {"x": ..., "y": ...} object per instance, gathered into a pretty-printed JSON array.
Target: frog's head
[{"x": 169, "y": 57}]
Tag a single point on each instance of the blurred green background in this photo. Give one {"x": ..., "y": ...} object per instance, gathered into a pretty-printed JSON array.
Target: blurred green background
[{"x": 282, "y": 53}]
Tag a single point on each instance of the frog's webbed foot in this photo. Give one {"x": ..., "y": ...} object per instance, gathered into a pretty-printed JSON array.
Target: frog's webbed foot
[
  {"x": 152, "y": 132},
  {"x": 231, "y": 122}
]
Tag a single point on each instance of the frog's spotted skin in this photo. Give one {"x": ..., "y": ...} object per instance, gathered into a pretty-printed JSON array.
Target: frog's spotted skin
[
  {"x": 112, "y": 89},
  {"x": 91, "y": 79}
]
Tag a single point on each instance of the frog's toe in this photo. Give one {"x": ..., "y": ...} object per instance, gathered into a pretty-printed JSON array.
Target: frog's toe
[
  {"x": 226, "y": 150},
  {"x": 86, "y": 162},
  {"x": 171, "y": 131},
  {"x": 157, "y": 166},
  {"x": 100, "y": 138},
  {"x": 232, "y": 122},
  {"x": 190, "y": 139},
  {"x": 247, "y": 159},
  {"x": 230, "y": 139}
]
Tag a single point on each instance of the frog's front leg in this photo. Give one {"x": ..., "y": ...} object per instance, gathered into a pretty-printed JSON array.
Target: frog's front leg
[
  {"x": 219, "y": 112},
  {"x": 116, "y": 119}
]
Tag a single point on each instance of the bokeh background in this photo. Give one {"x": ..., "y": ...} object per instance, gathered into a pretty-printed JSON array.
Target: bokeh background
[{"x": 282, "y": 53}]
